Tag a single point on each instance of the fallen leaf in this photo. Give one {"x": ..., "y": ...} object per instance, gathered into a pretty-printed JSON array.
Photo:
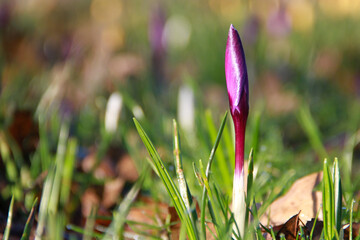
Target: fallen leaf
[
  {"x": 150, "y": 213},
  {"x": 112, "y": 191},
  {"x": 89, "y": 199},
  {"x": 290, "y": 228},
  {"x": 300, "y": 197},
  {"x": 126, "y": 168}
]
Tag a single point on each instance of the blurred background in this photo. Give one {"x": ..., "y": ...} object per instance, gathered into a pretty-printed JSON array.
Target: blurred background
[{"x": 93, "y": 65}]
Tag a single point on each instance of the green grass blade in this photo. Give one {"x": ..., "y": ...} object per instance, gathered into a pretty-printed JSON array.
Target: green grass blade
[
  {"x": 347, "y": 158},
  {"x": 81, "y": 230},
  {"x": 213, "y": 213},
  {"x": 308, "y": 124},
  {"x": 69, "y": 164},
  {"x": 272, "y": 233},
  {"x": 256, "y": 133},
  {"x": 29, "y": 222},
  {"x": 207, "y": 173},
  {"x": 9, "y": 220},
  {"x": 183, "y": 186},
  {"x": 115, "y": 231},
  {"x": 221, "y": 164},
  {"x": 44, "y": 203},
  {"x": 44, "y": 146},
  {"x": 60, "y": 156},
  {"x": 351, "y": 218},
  {"x": 168, "y": 183},
  {"x": 328, "y": 203},
  {"x": 313, "y": 227},
  {"x": 337, "y": 194},
  {"x": 250, "y": 179},
  {"x": 90, "y": 223},
  {"x": 229, "y": 138},
  {"x": 10, "y": 166}
]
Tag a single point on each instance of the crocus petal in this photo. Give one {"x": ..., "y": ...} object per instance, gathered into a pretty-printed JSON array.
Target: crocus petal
[{"x": 235, "y": 71}]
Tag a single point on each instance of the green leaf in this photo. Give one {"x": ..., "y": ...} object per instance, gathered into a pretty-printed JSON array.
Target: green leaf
[
  {"x": 221, "y": 164},
  {"x": 183, "y": 186},
  {"x": 337, "y": 194},
  {"x": 9, "y": 220},
  {"x": 308, "y": 124},
  {"x": 207, "y": 174},
  {"x": 68, "y": 171},
  {"x": 328, "y": 203},
  {"x": 29, "y": 222},
  {"x": 250, "y": 179},
  {"x": 351, "y": 219},
  {"x": 90, "y": 223},
  {"x": 59, "y": 163},
  {"x": 117, "y": 226},
  {"x": 168, "y": 183},
  {"x": 44, "y": 203}
]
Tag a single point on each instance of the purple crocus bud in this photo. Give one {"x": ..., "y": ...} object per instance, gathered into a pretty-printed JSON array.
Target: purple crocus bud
[
  {"x": 238, "y": 91},
  {"x": 158, "y": 46}
]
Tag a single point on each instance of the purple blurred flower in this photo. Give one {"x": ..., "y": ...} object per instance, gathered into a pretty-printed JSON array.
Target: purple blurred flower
[
  {"x": 238, "y": 91},
  {"x": 156, "y": 30},
  {"x": 279, "y": 23},
  {"x": 158, "y": 47},
  {"x": 5, "y": 14}
]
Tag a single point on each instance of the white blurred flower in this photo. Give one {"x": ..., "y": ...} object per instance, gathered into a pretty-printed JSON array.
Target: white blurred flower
[
  {"x": 177, "y": 32},
  {"x": 138, "y": 112},
  {"x": 186, "y": 111},
  {"x": 113, "y": 110}
]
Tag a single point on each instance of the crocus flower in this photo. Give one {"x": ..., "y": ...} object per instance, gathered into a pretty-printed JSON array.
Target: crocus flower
[
  {"x": 186, "y": 108},
  {"x": 112, "y": 114},
  {"x": 158, "y": 46},
  {"x": 238, "y": 91}
]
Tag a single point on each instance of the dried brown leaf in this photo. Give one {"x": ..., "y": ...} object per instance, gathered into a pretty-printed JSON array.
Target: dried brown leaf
[
  {"x": 300, "y": 197},
  {"x": 290, "y": 228}
]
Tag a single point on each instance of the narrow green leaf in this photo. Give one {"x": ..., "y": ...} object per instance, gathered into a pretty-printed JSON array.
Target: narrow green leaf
[
  {"x": 256, "y": 133},
  {"x": 9, "y": 220},
  {"x": 82, "y": 231},
  {"x": 328, "y": 203},
  {"x": 313, "y": 227},
  {"x": 351, "y": 218},
  {"x": 45, "y": 157},
  {"x": 229, "y": 138},
  {"x": 221, "y": 164},
  {"x": 69, "y": 164},
  {"x": 207, "y": 174},
  {"x": 308, "y": 124},
  {"x": 60, "y": 156},
  {"x": 250, "y": 179},
  {"x": 272, "y": 233},
  {"x": 44, "y": 203},
  {"x": 10, "y": 166},
  {"x": 90, "y": 223},
  {"x": 168, "y": 183},
  {"x": 337, "y": 194},
  {"x": 29, "y": 222},
  {"x": 116, "y": 228},
  {"x": 183, "y": 186}
]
